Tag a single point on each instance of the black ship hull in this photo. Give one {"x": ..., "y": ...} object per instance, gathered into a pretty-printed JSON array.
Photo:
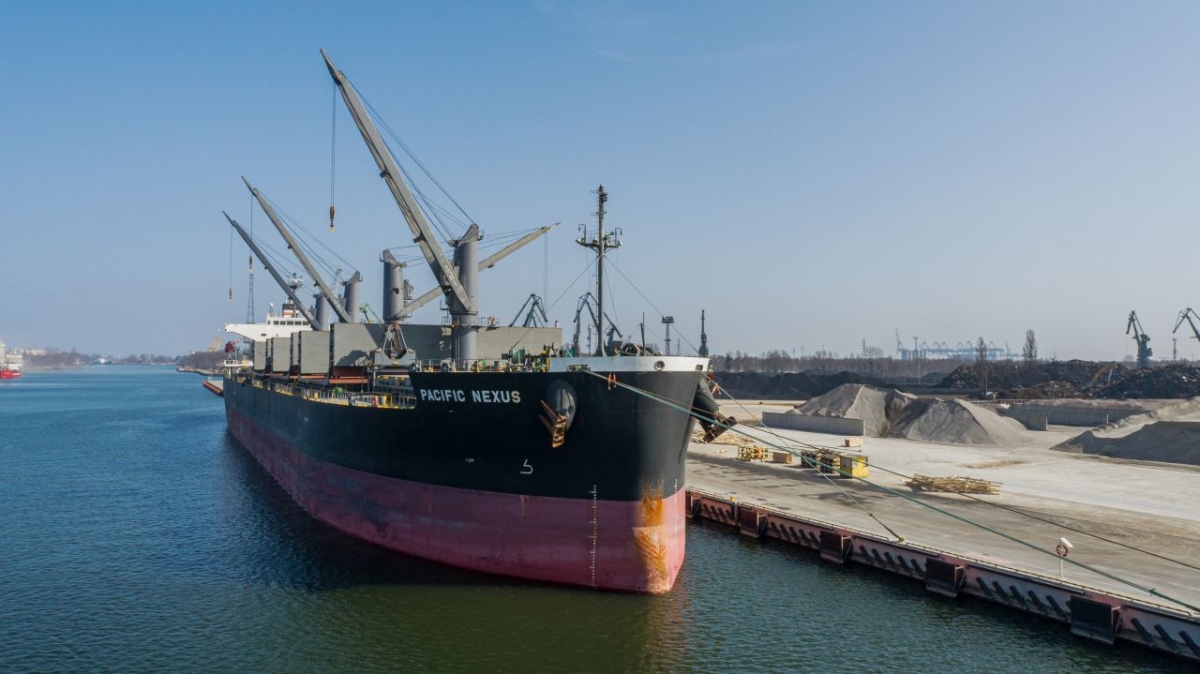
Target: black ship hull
[{"x": 467, "y": 474}]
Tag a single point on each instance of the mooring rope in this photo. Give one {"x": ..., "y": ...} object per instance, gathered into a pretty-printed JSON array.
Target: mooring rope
[
  {"x": 993, "y": 504},
  {"x": 1100, "y": 572}
]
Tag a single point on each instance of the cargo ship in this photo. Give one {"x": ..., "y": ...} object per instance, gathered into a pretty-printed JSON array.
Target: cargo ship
[
  {"x": 497, "y": 449},
  {"x": 11, "y": 365}
]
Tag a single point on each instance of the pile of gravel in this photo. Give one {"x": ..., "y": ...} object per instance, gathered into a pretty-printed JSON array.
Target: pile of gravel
[
  {"x": 887, "y": 413},
  {"x": 1169, "y": 441},
  {"x": 790, "y": 386},
  {"x": 958, "y": 422},
  {"x": 857, "y": 401},
  {"x": 1169, "y": 433}
]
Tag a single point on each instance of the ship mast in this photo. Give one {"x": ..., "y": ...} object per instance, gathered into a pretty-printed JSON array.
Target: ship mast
[{"x": 600, "y": 243}]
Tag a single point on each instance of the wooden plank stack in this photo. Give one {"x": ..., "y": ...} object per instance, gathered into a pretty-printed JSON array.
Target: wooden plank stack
[{"x": 953, "y": 484}]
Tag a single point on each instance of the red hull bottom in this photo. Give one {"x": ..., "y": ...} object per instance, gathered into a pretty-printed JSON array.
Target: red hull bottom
[
  {"x": 615, "y": 545},
  {"x": 9, "y": 374}
]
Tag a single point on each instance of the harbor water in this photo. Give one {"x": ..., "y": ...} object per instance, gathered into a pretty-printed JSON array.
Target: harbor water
[{"x": 137, "y": 536}]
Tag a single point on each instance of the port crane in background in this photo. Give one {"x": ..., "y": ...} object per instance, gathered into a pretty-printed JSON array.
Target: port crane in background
[
  {"x": 535, "y": 317},
  {"x": 588, "y": 301},
  {"x": 1186, "y": 315},
  {"x": 1143, "y": 340}
]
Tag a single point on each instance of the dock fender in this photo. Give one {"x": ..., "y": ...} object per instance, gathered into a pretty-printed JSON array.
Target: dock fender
[{"x": 558, "y": 410}]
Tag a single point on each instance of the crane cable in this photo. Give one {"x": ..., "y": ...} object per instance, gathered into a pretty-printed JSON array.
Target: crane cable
[
  {"x": 332, "y": 155},
  {"x": 555, "y": 302},
  {"x": 230, "y": 264},
  {"x": 1087, "y": 567},
  {"x": 679, "y": 334},
  {"x": 972, "y": 497}
]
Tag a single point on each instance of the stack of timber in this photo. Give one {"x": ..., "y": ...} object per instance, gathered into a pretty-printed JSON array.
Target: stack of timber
[
  {"x": 953, "y": 484},
  {"x": 752, "y": 453},
  {"x": 727, "y": 438}
]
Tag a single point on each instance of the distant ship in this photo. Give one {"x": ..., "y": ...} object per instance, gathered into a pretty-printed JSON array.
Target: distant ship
[
  {"x": 501, "y": 451},
  {"x": 11, "y": 364}
]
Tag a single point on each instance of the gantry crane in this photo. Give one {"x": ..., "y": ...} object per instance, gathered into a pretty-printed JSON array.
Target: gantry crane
[
  {"x": 535, "y": 317},
  {"x": 588, "y": 301},
  {"x": 1143, "y": 340},
  {"x": 1187, "y": 315}
]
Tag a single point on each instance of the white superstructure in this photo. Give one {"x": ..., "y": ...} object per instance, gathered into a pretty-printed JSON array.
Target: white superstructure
[{"x": 282, "y": 324}]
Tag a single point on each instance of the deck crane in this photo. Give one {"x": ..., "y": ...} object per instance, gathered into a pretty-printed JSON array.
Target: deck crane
[
  {"x": 459, "y": 281},
  {"x": 334, "y": 302},
  {"x": 1143, "y": 340},
  {"x": 289, "y": 288},
  {"x": 487, "y": 263},
  {"x": 1187, "y": 315},
  {"x": 535, "y": 317}
]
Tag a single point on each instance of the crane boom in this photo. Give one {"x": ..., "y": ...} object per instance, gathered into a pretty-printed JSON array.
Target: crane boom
[
  {"x": 511, "y": 248},
  {"x": 291, "y": 293},
  {"x": 1187, "y": 314},
  {"x": 423, "y": 235},
  {"x": 487, "y": 263},
  {"x": 333, "y": 300}
]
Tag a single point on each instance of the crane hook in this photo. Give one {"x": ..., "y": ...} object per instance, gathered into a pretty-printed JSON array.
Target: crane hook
[{"x": 331, "y": 212}]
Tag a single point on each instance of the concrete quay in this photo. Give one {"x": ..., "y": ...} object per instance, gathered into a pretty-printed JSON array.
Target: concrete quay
[{"x": 1133, "y": 522}]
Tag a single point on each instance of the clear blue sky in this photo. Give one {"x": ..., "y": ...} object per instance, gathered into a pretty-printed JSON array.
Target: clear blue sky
[{"x": 812, "y": 174}]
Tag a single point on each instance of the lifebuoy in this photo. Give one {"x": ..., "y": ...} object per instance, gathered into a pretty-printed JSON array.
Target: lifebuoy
[{"x": 1061, "y": 549}]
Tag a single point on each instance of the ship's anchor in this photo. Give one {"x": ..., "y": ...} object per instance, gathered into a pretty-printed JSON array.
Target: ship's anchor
[
  {"x": 558, "y": 411},
  {"x": 707, "y": 410},
  {"x": 556, "y": 424}
]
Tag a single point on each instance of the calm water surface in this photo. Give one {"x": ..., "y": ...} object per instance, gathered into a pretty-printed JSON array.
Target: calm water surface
[{"x": 138, "y": 537}]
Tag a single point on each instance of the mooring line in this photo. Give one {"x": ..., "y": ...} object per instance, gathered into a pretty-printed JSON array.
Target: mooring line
[
  {"x": 976, "y": 499},
  {"x": 1100, "y": 572}
]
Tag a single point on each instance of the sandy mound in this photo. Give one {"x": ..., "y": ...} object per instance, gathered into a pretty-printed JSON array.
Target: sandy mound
[
  {"x": 890, "y": 413},
  {"x": 858, "y": 401},
  {"x": 1170, "y": 441},
  {"x": 957, "y": 422},
  {"x": 1170, "y": 433}
]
